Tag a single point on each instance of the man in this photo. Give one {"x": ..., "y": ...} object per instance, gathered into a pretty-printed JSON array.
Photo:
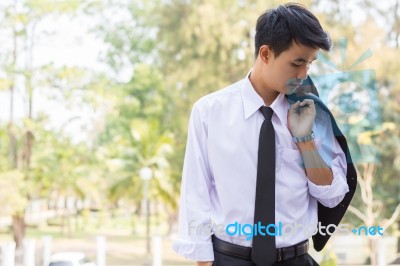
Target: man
[{"x": 258, "y": 163}]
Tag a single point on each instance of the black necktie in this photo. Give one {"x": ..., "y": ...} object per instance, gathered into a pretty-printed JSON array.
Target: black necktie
[{"x": 264, "y": 249}]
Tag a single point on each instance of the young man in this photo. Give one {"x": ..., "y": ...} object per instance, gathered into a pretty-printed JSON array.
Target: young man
[{"x": 256, "y": 164}]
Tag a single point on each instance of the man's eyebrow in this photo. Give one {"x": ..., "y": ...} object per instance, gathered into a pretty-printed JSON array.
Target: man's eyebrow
[{"x": 300, "y": 59}]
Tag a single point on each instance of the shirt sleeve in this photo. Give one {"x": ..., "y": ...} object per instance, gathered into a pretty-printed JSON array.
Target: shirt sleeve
[
  {"x": 193, "y": 241},
  {"x": 333, "y": 155}
]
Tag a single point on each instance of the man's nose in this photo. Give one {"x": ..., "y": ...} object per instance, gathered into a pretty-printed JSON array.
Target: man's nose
[{"x": 303, "y": 73}]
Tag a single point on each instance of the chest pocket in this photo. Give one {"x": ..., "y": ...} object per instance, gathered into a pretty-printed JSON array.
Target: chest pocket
[{"x": 292, "y": 168}]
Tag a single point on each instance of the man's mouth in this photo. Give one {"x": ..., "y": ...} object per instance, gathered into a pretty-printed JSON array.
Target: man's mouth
[
  {"x": 296, "y": 85},
  {"x": 292, "y": 87}
]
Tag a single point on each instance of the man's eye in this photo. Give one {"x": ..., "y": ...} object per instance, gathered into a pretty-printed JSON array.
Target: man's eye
[{"x": 295, "y": 65}]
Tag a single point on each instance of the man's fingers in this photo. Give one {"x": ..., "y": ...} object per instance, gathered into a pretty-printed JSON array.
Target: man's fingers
[
  {"x": 303, "y": 103},
  {"x": 296, "y": 104},
  {"x": 307, "y": 102}
]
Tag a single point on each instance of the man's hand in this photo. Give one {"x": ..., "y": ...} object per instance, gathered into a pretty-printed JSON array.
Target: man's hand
[
  {"x": 204, "y": 263},
  {"x": 301, "y": 117}
]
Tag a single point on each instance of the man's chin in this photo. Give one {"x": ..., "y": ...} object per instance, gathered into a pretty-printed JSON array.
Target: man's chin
[{"x": 290, "y": 91}]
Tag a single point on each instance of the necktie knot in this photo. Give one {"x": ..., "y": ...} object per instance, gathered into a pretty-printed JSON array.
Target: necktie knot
[{"x": 267, "y": 112}]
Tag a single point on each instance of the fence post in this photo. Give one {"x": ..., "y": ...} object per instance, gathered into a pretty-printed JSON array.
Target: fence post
[
  {"x": 46, "y": 251},
  {"x": 8, "y": 254},
  {"x": 29, "y": 252},
  {"x": 157, "y": 251},
  {"x": 382, "y": 251},
  {"x": 101, "y": 251}
]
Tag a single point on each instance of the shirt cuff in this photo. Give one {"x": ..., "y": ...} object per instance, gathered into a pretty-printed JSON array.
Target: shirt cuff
[
  {"x": 330, "y": 195},
  {"x": 196, "y": 251}
]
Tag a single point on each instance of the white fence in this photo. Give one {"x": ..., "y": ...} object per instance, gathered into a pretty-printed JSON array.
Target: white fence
[{"x": 9, "y": 257}]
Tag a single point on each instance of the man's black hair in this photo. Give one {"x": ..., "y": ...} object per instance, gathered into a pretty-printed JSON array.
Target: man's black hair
[{"x": 279, "y": 27}]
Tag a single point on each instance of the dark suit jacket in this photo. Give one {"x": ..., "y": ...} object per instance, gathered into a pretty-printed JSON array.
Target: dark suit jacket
[{"x": 327, "y": 216}]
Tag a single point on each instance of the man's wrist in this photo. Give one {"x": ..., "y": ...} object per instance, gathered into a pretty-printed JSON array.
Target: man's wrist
[
  {"x": 305, "y": 138},
  {"x": 204, "y": 263}
]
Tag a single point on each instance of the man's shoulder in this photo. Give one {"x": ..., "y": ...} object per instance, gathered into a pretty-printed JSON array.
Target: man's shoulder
[{"x": 220, "y": 97}]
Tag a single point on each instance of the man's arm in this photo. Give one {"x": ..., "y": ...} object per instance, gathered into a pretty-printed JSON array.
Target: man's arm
[
  {"x": 194, "y": 208},
  {"x": 325, "y": 165},
  {"x": 326, "y": 168},
  {"x": 317, "y": 170},
  {"x": 202, "y": 263}
]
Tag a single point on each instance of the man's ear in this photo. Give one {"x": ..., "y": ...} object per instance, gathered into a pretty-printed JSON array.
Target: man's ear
[{"x": 265, "y": 53}]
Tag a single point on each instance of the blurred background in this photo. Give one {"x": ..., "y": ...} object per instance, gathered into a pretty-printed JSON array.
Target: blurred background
[{"x": 95, "y": 98}]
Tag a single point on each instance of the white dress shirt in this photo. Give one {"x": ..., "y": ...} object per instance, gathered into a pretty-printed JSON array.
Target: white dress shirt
[{"x": 220, "y": 171}]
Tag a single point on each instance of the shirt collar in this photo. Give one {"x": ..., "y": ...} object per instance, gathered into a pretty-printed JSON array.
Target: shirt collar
[{"x": 252, "y": 101}]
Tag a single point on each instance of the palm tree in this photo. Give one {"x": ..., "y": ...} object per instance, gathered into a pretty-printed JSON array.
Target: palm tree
[{"x": 149, "y": 147}]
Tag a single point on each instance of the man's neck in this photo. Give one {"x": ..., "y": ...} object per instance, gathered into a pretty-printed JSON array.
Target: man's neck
[{"x": 268, "y": 95}]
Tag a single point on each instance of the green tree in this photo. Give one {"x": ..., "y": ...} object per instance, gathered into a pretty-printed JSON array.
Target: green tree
[
  {"x": 135, "y": 136},
  {"x": 20, "y": 22}
]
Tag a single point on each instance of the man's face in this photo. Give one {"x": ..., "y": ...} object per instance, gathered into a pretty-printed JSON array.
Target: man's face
[{"x": 286, "y": 72}]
